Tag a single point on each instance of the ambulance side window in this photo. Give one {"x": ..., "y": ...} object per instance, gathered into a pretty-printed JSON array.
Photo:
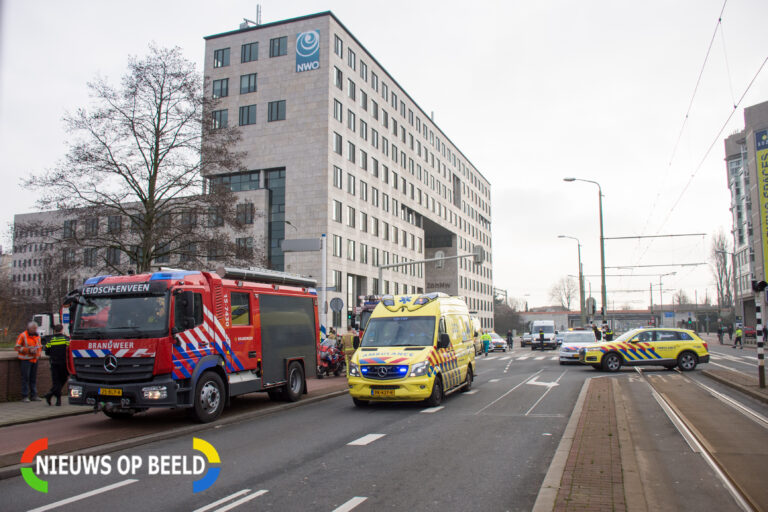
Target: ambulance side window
[
  {"x": 241, "y": 312},
  {"x": 442, "y": 329}
]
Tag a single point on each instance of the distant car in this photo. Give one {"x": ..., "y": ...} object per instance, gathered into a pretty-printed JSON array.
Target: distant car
[
  {"x": 543, "y": 335},
  {"x": 525, "y": 339},
  {"x": 655, "y": 347},
  {"x": 498, "y": 343},
  {"x": 559, "y": 337},
  {"x": 749, "y": 332},
  {"x": 572, "y": 342}
]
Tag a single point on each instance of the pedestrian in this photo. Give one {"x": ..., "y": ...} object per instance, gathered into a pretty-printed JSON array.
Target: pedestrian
[
  {"x": 29, "y": 348},
  {"x": 738, "y": 339},
  {"x": 720, "y": 330},
  {"x": 56, "y": 348},
  {"x": 730, "y": 333},
  {"x": 486, "y": 343},
  {"x": 598, "y": 334},
  {"x": 510, "y": 339}
]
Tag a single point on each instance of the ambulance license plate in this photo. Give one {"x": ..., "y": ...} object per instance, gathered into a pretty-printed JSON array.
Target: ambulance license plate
[
  {"x": 111, "y": 391},
  {"x": 383, "y": 393}
]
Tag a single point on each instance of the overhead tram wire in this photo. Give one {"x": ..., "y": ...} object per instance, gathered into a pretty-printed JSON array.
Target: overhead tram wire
[
  {"x": 718, "y": 25},
  {"x": 714, "y": 141}
]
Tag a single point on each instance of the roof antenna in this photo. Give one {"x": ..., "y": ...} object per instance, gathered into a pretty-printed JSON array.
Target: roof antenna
[{"x": 246, "y": 22}]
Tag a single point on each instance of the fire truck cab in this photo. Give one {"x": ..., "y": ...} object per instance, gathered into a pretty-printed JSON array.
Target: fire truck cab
[{"x": 190, "y": 339}]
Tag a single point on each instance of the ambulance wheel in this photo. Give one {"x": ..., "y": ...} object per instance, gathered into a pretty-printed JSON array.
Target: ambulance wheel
[
  {"x": 119, "y": 415},
  {"x": 209, "y": 397},
  {"x": 295, "y": 385},
  {"x": 612, "y": 362},
  {"x": 687, "y": 361},
  {"x": 360, "y": 403},
  {"x": 468, "y": 381},
  {"x": 437, "y": 393}
]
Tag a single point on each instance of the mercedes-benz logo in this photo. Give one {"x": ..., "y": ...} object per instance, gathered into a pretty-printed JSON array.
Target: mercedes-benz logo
[
  {"x": 110, "y": 363},
  {"x": 382, "y": 371}
]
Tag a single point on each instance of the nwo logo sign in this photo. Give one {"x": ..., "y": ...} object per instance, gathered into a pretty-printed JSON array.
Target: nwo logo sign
[{"x": 308, "y": 51}]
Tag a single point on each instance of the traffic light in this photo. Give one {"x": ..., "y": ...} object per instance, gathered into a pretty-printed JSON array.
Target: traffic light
[
  {"x": 758, "y": 286},
  {"x": 479, "y": 254}
]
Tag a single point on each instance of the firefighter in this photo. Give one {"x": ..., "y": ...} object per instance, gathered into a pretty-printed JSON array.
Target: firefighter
[{"x": 56, "y": 348}]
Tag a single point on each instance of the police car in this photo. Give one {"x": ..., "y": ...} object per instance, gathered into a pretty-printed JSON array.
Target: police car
[{"x": 649, "y": 346}]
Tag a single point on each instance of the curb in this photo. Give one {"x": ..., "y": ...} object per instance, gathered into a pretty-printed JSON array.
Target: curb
[
  {"x": 46, "y": 418},
  {"x": 738, "y": 387},
  {"x": 545, "y": 500},
  {"x": 14, "y": 471}
]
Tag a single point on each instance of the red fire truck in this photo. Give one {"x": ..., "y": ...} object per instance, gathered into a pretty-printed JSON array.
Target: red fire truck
[{"x": 190, "y": 339}]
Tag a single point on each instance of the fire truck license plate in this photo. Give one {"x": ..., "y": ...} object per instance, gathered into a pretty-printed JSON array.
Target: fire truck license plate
[
  {"x": 383, "y": 393},
  {"x": 111, "y": 391}
]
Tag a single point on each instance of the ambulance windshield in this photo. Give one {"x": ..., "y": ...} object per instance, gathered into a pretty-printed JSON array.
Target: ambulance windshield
[
  {"x": 121, "y": 317},
  {"x": 400, "y": 331}
]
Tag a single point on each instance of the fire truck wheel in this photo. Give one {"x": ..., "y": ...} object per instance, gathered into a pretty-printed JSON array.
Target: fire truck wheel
[
  {"x": 295, "y": 385},
  {"x": 209, "y": 397}
]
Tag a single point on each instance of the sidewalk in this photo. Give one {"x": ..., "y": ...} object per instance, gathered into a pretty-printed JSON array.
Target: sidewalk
[
  {"x": 592, "y": 478},
  {"x": 15, "y": 413},
  {"x": 747, "y": 384}
]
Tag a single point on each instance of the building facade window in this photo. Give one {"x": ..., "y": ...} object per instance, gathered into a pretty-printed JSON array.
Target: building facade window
[
  {"x": 70, "y": 228},
  {"x": 278, "y": 46},
  {"x": 247, "y": 115},
  {"x": 113, "y": 256},
  {"x": 338, "y": 78},
  {"x": 221, "y": 88},
  {"x": 338, "y": 46},
  {"x": 336, "y": 212},
  {"x": 351, "y": 89},
  {"x": 337, "y": 143},
  {"x": 91, "y": 227},
  {"x": 338, "y": 111},
  {"x": 351, "y": 216},
  {"x": 247, "y": 83},
  {"x": 338, "y": 177},
  {"x": 221, "y": 58},
  {"x": 351, "y": 59},
  {"x": 244, "y": 213},
  {"x": 114, "y": 224},
  {"x": 248, "y": 180},
  {"x": 90, "y": 256},
  {"x": 351, "y": 152},
  {"x": 220, "y": 119},
  {"x": 249, "y": 52},
  {"x": 337, "y": 246},
  {"x": 244, "y": 248},
  {"x": 276, "y": 111},
  {"x": 351, "y": 250}
]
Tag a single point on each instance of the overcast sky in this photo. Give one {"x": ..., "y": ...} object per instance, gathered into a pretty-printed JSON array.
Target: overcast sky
[{"x": 531, "y": 92}]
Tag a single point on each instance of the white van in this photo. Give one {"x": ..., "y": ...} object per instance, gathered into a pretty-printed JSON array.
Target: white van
[{"x": 543, "y": 335}]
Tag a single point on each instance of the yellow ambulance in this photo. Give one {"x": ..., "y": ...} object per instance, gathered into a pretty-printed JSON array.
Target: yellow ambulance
[{"x": 415, "y": 347}]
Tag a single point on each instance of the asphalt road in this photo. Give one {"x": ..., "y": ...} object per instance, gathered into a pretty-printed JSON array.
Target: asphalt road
[{"x": 488, "y": 449}]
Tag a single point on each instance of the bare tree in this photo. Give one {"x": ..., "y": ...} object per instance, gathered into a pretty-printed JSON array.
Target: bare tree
[
  {"x": 680, "y": 297},
  {"x": 722, "y": 269},
  {"x": 564, "y": 292},
  {"x": 137, "y": 162}
]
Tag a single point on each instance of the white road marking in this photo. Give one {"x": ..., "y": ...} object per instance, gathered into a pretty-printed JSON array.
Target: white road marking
[
  {"x": 471, "y": 392},
  {"x": 508, "y": 392},
  {"x": 354, "y": 502},
  {"x": 88, "y": 494},
  {"x": 506, "y": 358},
  {"x": 553, "y": 384},
  {"x": 539, "y": 358},
  {"x": 491, "y": 358},
  {"x": 507, "y": 368},
  {"x": 554, "y": 358},
  {"x": 430, "y": 410},
  {"x": 222, "y": 500},
  {"x": 727, "y": 368},
  {"x": 494, "y": 380},
  {"x": 523, "y": 358},
  {"x": 242, "y": 500},
  {"x": 366, "y": 440}
]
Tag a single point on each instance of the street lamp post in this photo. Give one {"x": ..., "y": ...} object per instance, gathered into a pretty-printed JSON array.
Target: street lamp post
[
  {"x": 603, "y": 295},
  {"x": 582, "y": 307}
]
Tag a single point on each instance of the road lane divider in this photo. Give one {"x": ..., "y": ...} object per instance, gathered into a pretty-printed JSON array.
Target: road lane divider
[
  {"x": 510, "y": 391},
  {"x": 222, "y": 500},
  {"x": 365, "y": 440},
  {"x": 351, "y": 504},
  {"x": 242, "y": 501},
  {"x": 73, "y": 499}
]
